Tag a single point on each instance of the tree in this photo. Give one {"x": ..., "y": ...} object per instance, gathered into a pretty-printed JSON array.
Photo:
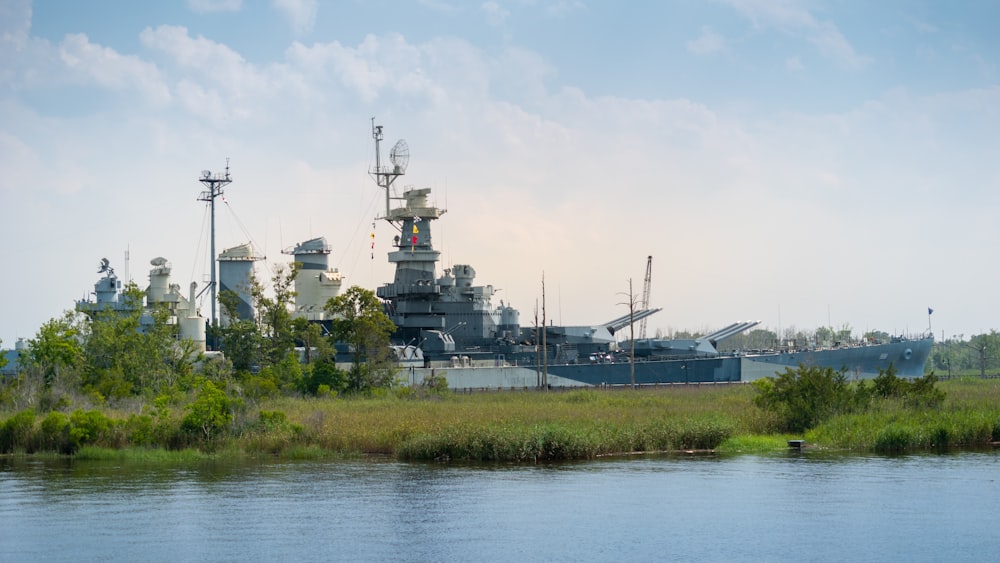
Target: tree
[
  {"x": 360, "y": 322},
  {"x": 240, "y": 338},
  {"x": 210, "y": 413},
  {"x": 274, "y": 315},
  {"x": 824, "y": 336},
  {"x": 324, "y": 372},
  {"x": 310, "y": 335},
  {"x": 267, "y": 339},
  {"x": 130, "y": 352},
  {"x": 987, "y": 346},
  {"x": 57, "y": 350}
]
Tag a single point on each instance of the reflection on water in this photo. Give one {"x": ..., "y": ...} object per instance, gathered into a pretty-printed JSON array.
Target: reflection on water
[{"x": 786, "y": 507}]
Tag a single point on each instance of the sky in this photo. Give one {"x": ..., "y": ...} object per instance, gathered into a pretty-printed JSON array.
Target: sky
[{"x": 802, "y": 163}]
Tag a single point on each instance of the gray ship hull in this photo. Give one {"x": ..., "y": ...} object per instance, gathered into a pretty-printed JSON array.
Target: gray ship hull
[{"x": 909, "y": 357}]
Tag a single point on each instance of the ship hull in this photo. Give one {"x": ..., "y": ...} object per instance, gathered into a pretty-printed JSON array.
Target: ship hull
[{"x": 909, "y": 357}]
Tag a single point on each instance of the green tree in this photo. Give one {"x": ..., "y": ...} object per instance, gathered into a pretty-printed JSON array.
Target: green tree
[
  {"x": 241, "y": 338},
  {"x": 210, "y": 413},
  {"x": 57, "y": 350},
  {"x": 324, "y": 372},
  {"x": 269, "y": 338},
  {"x": 274, "y": 313},
  {"x": 3, "y": 357},
  {"x": 987, "y": 348},
  {"x": 360, "y": 322},
  {"x": 824, "y": 336},
  {"x": 310, "y": 336},
  {"x": 128, "y": 352}
]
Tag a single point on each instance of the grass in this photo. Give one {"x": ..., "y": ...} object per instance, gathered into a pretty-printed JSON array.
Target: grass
[
  {"x": 525, "y": 426},
  {"x": 969, "y": 417},
  {"x": 578, "y": 424}
]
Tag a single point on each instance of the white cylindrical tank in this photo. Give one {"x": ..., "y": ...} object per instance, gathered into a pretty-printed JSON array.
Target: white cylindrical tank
[
  {"x": 235, "y": 271},
  {"x": 193, "y": 328},
  {"x": 159, "y": 280},
  {"x": 316, "y": 282}
]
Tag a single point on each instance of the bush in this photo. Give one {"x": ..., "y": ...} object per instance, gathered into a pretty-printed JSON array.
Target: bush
[
  {"x": 210, "y": 413},
  {"x": 17, "y": 432},
  {"x": 324, "y": 373},
  {"x": 804, "y": 397},
  {"x": 54, "y": 433},
  {"x": 88, "y": 428}
]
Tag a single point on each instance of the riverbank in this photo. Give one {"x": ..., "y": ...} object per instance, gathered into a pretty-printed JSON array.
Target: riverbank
[{"x": 510, "y": 426}]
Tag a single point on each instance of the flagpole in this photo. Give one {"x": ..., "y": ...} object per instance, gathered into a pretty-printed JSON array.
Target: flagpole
[{"x": 929, "y": 313}]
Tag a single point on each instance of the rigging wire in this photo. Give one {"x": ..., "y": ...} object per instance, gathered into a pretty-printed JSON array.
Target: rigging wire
[
  {"x": 253, "y": 242},
  {"x": 200, "y": 249},
  {"x": 368, "y": 212}
]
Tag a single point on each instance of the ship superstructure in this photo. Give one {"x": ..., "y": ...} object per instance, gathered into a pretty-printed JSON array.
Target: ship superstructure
[
  {"x": 441, "y": 315},
  {"x": 316, "y": 282},
  {"x": 183, "y": 310}
]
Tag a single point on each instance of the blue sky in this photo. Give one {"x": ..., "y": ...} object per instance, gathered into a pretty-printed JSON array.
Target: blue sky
[{"x": 803, "y": 163}]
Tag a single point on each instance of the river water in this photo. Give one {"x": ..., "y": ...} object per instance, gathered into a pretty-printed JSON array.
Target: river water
[{"x": 794, "y": 507}]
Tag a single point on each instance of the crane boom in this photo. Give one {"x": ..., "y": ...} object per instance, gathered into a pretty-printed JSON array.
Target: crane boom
[{"x": 645, "y": 295}]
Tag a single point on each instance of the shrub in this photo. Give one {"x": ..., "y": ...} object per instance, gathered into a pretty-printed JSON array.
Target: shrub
[
  {"x": 804, "y": 397},
  {"x": 324, "y": 373},
  {"x": 210, "y": 413},
  {"x": 54, "y": 433},
  {"x": 87, "y": 428},
  {"x": 16, "y": 432}
]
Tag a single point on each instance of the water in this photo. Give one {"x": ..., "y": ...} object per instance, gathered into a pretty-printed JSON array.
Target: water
[{"x": 745, "y": 508}]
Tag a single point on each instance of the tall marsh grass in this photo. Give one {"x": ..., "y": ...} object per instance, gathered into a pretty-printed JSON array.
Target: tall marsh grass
[
  {"x": 510, "y": 426},
  {"x": 969, "y": 417}
]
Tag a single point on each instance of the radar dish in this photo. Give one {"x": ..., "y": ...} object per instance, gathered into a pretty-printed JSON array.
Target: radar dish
[
  {"x": 400, "y": 156},
  {"x": 206, "y": 174},
  {"x": 158, "y": 261}
]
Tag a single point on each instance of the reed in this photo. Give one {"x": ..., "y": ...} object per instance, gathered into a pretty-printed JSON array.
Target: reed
[
  {"x": 142, "y": 455},
  {"x": 969, "y": 417},
  {"x": 508, "y": 426}
]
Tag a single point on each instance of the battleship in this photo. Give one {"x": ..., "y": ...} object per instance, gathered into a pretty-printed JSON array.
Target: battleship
[
  {"x": 447, "y": 325},
  {"x": 451, "y": 324}
]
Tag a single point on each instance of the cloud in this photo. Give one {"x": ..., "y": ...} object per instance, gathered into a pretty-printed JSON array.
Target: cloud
[
  {"x": 708, "y": 43},
  {"x": 795, "y": 20},
  {"x": 15, "y": 22},
  {"x": 211, "y": 6},
  {"x": 214, "y": 81},
  {"x": 794, "y": 64},
  {"x": 495, "y": 14},
  {"x": 111, "y": 70},
  {"x": 301, "y": 14},
  {"x": 602, "y": 180}
]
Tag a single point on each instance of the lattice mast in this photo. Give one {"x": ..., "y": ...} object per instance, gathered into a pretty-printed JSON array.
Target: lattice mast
[{"x": 215, "y": 183}]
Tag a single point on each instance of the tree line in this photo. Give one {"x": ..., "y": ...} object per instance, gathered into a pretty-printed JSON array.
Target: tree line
[{"x": 122, "y": 356}]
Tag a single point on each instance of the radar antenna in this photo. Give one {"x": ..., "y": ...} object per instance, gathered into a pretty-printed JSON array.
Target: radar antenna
[
  {"x": 106, "y": 267},
  {"x": 400, "y": 157},
  {"x": 215, "y": 183}
]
